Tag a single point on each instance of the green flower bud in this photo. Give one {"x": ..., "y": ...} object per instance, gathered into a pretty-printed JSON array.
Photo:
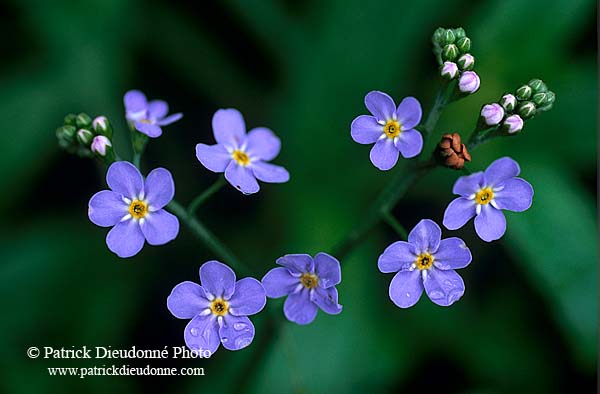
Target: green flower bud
[
  {"x": 459, "y": 32},
  {"x": 540, "y": 99},
  {"x": 464, "y": 44},
  {"x": 438, "y": 36},
  {"x": 66, "y": 133},
  {"x": 66, "y": 145},
  {"x": 527, "y": 109},
  {"x": 449, "y": 37},
  {"x": 524, "y": 92},
  {"x": 538, "y": 86},
  {"x": 550, "y": 98},
  {"x": 70, "y": 120},
  {"x": 102, "y": 126},
  {"x": 83, "y": 120},
  {"x": 450, "y": 52},
  {"x": 83, "y": 152},
  {"x": 85, "y": 137}
]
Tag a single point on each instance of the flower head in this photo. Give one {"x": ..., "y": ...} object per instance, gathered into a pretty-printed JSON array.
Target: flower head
[
  {"x": 485, "y": 194},
  {"x": 425, "y": 261},
  {"x": 147, "y": 116},
  {"x": 492, "y": 114},
  {"x": 243, "y": 157},
  {"x": 391, "y": 129},
  {"x": 134, "y": 208},
  {"x": 219, "y": 308},
  {"x": 309, "y": 284},
  {"x": 469, "y": 82}
]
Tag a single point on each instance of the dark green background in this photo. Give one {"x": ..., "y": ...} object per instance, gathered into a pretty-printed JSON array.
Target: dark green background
[{"x": 528, "y": 319}]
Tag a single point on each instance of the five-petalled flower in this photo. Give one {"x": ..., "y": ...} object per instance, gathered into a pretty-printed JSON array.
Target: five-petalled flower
[
  {"x": 309, "y": 284},
  {"x": 219, "y": 308},
  {"x": 391, "y": 129},
  {"x": 134, "y": 208},
  {"x": 485, "y": 194},
  {"x": 243, "y": 157},
  {"x": 425, "y": 262},
  {"x": 147, "y": 116}
]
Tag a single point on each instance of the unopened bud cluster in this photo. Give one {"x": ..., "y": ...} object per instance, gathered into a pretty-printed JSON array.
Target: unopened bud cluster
[
  {"x": 513, "y": 109},
  {"x": 452, "y": 48},
  {"x": 85, "y": 137}
]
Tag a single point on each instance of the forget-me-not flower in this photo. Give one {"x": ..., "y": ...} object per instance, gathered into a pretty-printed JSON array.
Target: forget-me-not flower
[
  {"x": 485, "y": 194},
  {"x": 425, "y": 262},
  {"x": 134, "y": 208},
  {"x": 147, "y": 116},
  {"x": 243, "y": 157},
  {"x": 308, "y": 283},
  {"x": 219, "y": 308},
  {"x": 391, "y": 129}
]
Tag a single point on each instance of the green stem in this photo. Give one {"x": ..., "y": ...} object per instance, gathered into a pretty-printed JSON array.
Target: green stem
[
  {"x": 386, "y": 201},
  {"x": 442, "y": 99},
  {"x": 479, "y": 137},
  {"x": 205, "y": 195},
  {"x": 395, "y": 224},
  {"x": 138, "y": 144},
  {"x": 209, "y": 239},
  {"x": 137, "y": 157}
]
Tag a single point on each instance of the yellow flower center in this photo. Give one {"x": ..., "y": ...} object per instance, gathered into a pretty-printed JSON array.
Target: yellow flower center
[
  {"x": 392, "y": 128},
  {"x": 484, "y": 196},
  {"x": 138, "y": 209},
  {"x": 219, "y": 307},
  {"x": 310, "y": 281},
  {"x": 146, "y": 121},
  {"x": 424, "y": 261},
  {"x": 240, "y": 157}
]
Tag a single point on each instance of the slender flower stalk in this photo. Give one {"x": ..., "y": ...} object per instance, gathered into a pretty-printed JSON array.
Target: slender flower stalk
[
  {"x": 204, "y": 234},
  {"x": 391, "y": 220},
  {"x": 205, "y": 195}
]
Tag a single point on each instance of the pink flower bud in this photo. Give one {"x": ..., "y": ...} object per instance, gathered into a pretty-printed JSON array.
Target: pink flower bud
[
  {"x": 100, "y": 145},
  {"x": 509, "y": 102},
  {"x": 449, "y": 70},
  {"x": 100, "y": 121},
  {"x": 513, "y": 124},
  {"x": 492, "y": 113},
  {"x": 469, "y": 82},
  {"x": 466, "y": 61}
]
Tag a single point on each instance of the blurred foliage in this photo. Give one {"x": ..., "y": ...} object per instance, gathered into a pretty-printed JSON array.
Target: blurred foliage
[{"x": 528, "y": 320}]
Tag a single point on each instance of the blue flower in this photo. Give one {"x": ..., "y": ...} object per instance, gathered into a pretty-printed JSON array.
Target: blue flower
[
  {"x": 485, "y": 194},
  {"x": 219, "y": 308},
  {"x": 425, "y": 262},
  {"x": 147, "y": 116}
]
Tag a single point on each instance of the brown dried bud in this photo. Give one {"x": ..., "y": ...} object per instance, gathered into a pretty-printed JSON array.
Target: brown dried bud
[{"x": 450, "y": 152}]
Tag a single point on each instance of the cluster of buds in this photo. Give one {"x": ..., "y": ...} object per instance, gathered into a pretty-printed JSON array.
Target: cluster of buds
[
  {"x": 85, "y": 137},
  {"x": 514, "y": 109},
  {"x": 451, "y": 152},
  {"x": 452, "y": 49}
]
